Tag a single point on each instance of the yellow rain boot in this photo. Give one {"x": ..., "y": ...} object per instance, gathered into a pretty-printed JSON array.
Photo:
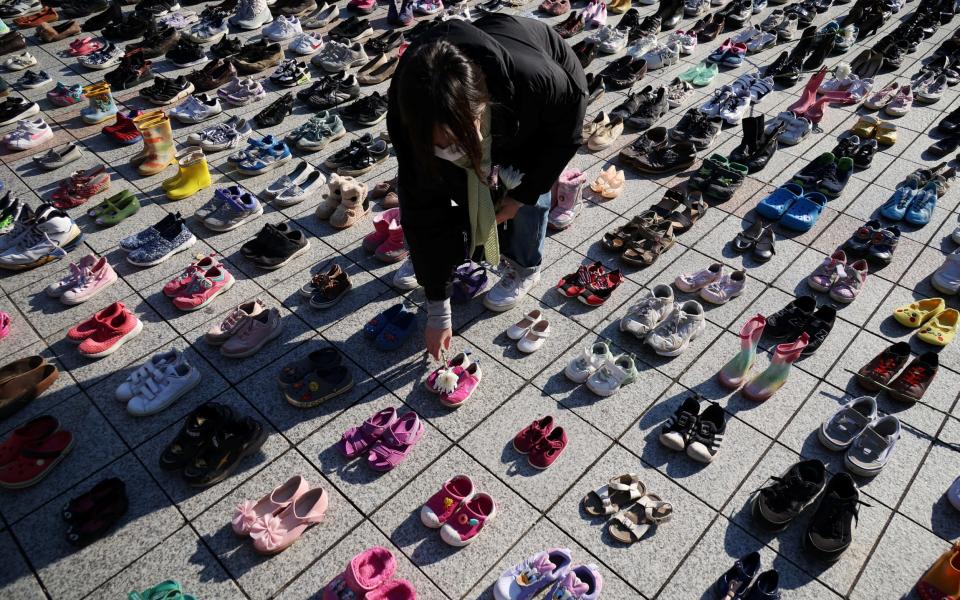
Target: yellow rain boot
[
  {"x": 158, "y": 140},
  {"x": 143, "y": 122},
  {"x": 194, "y": 176},
  {"x": 182, "y": 156}
]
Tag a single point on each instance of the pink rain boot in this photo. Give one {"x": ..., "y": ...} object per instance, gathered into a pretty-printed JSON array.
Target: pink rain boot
[
  {"x": 366, "y": 572},
  {"x": 772, "y": 379},
  {"x": 381, "y": 224},
  {"x": 396, "y": 589},
  {"x": 569, "y": 199},
  {"x": 733, "y": 373},
  {"x": 815, "y": 111},
  {"x": 809, "y": 93},
  {"x": 392, "y": 249}
]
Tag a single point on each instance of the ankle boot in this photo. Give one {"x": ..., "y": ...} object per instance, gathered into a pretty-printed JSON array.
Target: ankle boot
[
  {"x": 815, "y": 111},
  {"x": 392, "y": 249},
  {"x": 751, "y": 137},
  {"x": 735, "y": 371},
  {"x": 670, "y": 13},
  {"x": 766, "y": 147},
  {"x": 772, "y": 379},
  {"x": 101, "y": 105},
  {"x": 158, "y": 140},
  {"x": 182, "y": 157},
  {"x": 194, "y": 176}
]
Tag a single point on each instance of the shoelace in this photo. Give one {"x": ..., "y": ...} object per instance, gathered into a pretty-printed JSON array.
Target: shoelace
[
  {"x": 829, "y": 521},
  {"x": 914, "y": 375}
]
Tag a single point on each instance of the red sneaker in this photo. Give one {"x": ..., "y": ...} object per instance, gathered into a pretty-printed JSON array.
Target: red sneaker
[
  {"x": 571, "y": 285},
  {"x": 181, "y": 282},
  {"x": 87, "y": 328},
  {"x": 124, "y": 130},
  {"x": 525, "y": 441},
  {"x": 598, "y": 291},
  {"x": 111, "y": 334},
  {"x": 35, "y": 460},
  {"x": 204, "y": 288},
  {"x": 548, "y": 449},
  {"x": 30, "y": 433}
]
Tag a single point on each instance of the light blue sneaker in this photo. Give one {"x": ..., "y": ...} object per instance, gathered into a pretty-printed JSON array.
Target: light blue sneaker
[
  {"x": 922, "y": 206},
  {"x": 896, "y": 207}
]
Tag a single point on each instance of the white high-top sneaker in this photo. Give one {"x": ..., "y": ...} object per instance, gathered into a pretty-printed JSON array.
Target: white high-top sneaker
[{"x": 509, "y": 290}]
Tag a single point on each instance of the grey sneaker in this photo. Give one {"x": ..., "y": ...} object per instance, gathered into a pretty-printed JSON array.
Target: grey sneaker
[
  {"x": 873, "y": 448},
  {"x": 161, "y": 247},
  {"x": 842, "y": 428},
  {"x": 684, "y": 324},
  {"x": 234, "y": 212},
  {"x": 649, "y": 312}
]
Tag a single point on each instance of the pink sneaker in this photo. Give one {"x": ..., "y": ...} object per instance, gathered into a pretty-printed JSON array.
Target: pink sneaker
[
  {"x": 850, "y": 283},
  {"x": 396, "y": 443},
  {"x": 181, "y": 282},
  {"x": 247, "y": 513},
  {"x": 448, "y": 384},
  {"x": 824, "y": 275},
  {"x": 91, "y": 282},
  {"x": 357, "y": 439},
  {"x": 111, "y": 334},
  {"x": 204, "y": 288},
  {"x": 366, "y": 572},
  {"x": 468, "y": 520},
  {"x": 56, "y": 289},
  {"x": 381, "y": 223},
  {"x": 275, "y": 533},
  {"x": 363, "y": 6},
  {"x": 395, "y": 589},
  {"x": 441, "y": 506},
  {"x": 468, "y": 380},
  {"x": 84, "y": 46},
  {"x": 224, "y": 330}
]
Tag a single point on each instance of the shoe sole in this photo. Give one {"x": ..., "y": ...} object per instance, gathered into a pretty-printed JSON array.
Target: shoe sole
[
  {"x": 233, "y": 226},
  {"x": 287, "y": 260},
  {"x": 119, "y": 343},
  {"x": 273, "y": 335},
  {"x": 190, "y": 242}
]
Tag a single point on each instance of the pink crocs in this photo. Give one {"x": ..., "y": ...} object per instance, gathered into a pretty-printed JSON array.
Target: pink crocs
[
  {"x": 466, "y": 523},
  {"x": 439, "y": 508}
]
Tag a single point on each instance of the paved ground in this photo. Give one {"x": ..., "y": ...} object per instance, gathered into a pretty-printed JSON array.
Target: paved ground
[{"x": 172, "y": 531}]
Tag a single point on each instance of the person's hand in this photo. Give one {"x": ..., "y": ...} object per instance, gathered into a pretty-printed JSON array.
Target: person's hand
[
  {"x": 507, "y": 209},
  {"x": 437, "y": 340}
]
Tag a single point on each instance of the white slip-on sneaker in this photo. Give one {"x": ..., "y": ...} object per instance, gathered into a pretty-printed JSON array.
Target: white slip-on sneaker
[
  {"x": 696, "y": 281},
  {"x": 509, "y": 290}
]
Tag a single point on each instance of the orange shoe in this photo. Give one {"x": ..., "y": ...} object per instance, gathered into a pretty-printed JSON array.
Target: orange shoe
[
  {"x": 47, "y": 15},
  {"x": 942, "y": 580}
]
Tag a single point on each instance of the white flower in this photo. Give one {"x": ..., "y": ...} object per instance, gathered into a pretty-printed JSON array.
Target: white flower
[{"x": 510, "y": 177}]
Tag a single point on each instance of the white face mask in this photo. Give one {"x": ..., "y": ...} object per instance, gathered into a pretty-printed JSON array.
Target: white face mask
[{"x": 453, "y": 152}]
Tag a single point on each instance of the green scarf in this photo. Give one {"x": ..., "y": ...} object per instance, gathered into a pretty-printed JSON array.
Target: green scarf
[{"x": 483, "y": 215}]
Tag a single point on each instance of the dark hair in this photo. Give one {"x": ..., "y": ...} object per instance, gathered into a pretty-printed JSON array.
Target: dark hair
[{"x": 439, "y": 85}]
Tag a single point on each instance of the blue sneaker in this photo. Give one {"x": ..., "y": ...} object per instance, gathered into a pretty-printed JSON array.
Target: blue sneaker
[
  {"x": 778, "y": 201},
  {"x": 922, "y": 205},
  {"x": 896, "y": 207},
  {"x": 265, "y": 159}
]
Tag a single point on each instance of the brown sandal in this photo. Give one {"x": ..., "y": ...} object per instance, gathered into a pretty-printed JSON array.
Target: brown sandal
[
  {"x": 651, "y": 243},
  {"x": 631, "y": 524}
]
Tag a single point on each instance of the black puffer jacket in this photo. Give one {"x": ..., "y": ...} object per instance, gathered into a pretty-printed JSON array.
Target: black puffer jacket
[{"x": 539, "y": 93}]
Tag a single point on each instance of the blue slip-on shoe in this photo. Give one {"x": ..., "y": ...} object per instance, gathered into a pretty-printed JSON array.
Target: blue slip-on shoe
[
  {"x": 896, "y": 207},
  {"x": 397, "y": 331},
  {"x": 778, "y": 201},
  {"x": 922, "y": 205},
  {"x": 375, "y": 325},
  {"x": 804, "y": 212}
]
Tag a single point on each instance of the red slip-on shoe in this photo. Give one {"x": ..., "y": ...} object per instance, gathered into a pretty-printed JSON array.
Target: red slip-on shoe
[
  {"x": 112, "y": 334},
  {"x": 36, "y": 460},
  {"x": 30, "y": 433},
  {"x": 548, "y": 449},
  {"x": 85, "y": 329},
  {"x": 597, "y": 292},
  {"x": 123, "y": 129},
  {"x": 441, "y": 506},
  {"x": 571, "y": 285},
  {"x": 528, "y": 437}
]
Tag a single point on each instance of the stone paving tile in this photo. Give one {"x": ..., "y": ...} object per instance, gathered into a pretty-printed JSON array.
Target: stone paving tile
[{"x": 18, "y": 579}]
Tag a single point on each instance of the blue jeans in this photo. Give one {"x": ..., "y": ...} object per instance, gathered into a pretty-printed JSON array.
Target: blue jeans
[{"x": 522, "y": 237}]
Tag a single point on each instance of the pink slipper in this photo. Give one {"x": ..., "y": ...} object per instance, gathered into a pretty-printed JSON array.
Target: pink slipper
[
  {"x": 275, "y": 533},
  {"x": 85, "y": 46},
  {"x": 467, "y": 383},
  {"x": 366, "y": 572},
  {"x": 4, "y": 324},
  {"x": 396, "y": 443},
  {"x": 357, "y": 439},
  {"x": 397, "y": 589},
  {"x": 468, "y": 520},
  {"x": 442, "y": 505},
  {"x": 246, "y": 514}
]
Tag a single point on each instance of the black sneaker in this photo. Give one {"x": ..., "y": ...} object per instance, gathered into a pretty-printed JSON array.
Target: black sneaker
[
  {"x": 836, "y": 178},
  {"x": 157, "y": 8},
  {"x": 131, "y": 27},
  {"x": 696, "y": 128},
  {"x": 112, "y": 13},
  {"x": 679, "y": 428},
  {"x": 831, "y": 530},
  {"x": 653, "y": 107},
  {"x": 187, "y": 54},
  {"x": 810, "y": 175},
  {"x": 818, "y": 328},
  {"x": 859, "y": 242},
  {"x": 628, "y": 106},
  {"x": 278, "y": 110},
  {"x": 157, "y": 43},
  {"x": 789, "y": 321},
  {"x": 277, "y": 249},
  {"x": 367, "y": 111},
  {"x": 164, "y": 91},
  {"x": 290, "y": 73},
  {"x": 253, "y": 247},
  {"x": 375, "y": 146},
  {"x": 341, "y": 92},
  {"x": 883, "y": 244},
  {"x": 226, "y": 47},
  {"x": 780, "y": 502},
  {"x": 705, "y": 442}
]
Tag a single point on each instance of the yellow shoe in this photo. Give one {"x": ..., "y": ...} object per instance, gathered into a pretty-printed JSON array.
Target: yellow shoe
[
  {"x": 194, "y": 176},
  {"x": 886, "y": 133},
  {"x": 916, "y": 314},
  {"x": 617, "y": 7},
  {"x": 865, "y": 127},
  {"x": 941, "y": 329}
]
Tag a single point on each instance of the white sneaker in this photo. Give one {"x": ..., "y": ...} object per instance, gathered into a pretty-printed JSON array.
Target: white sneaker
[
  {"x": 405, "y": 278},
  {"x": 42, "y": 243},
  {"x": 282, "y": 28},
  {"x": 734, "y": 109},
  {"x": 649, "y": 312},
  {"x": 336, "y": 57},
  {"x": 946, "y": 278},
  {"x": 251, "y": 14},
  {"x": 28, "y": 134},
  {"x": 613, "y": 375},
  {"x": 197, "y": 108},
  {"x": 20, "y": 61},
  {"x": 582, "y": 367},
  {"x": 128, "y": 389},
  {"x": 687, "y": 42},
  {"x": 614, "y": 42},
  {"x": 696, "y": 281},
  {"x": 164, "y": 388},
  {"x": 726, "y": 288},
  {"x": 240, "y": 92},
  {"x": 662, "y": 56},
  {"x": 685, "y": 323},
  {"x": 207, "y": 32},
  {"x": 509, "y": 290},
  {"x": 642, "y": 45},
  {"x": 306, "y": 44}
]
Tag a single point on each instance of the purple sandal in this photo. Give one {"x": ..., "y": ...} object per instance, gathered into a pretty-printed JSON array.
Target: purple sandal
[
  {"x": 357, "y": 439},
  {"x": 468, "y": 282},
  {"x": 396, "y": 442}
]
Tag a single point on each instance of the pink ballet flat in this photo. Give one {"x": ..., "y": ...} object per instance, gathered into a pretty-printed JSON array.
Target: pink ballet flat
[
  {"x": 357, "y": 439},
  {"x": 246, "y": 514},
  {"x": 366, "y": 572},
  {"x": 275, "y": 533}
]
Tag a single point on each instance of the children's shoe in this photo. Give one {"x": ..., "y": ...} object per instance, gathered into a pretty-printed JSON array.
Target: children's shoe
[
  {"x": 733, "y": 374},
  {"x": 694, "y": 282},
  {"x": 530, "y": 436},
  {"x": 840, "y": 430},
  {"x": 87, "y": 328},
  {"x": 90, "y": 282},
  {"x": 275, "y": 533},
  {"x": 580, "y": 583},
  {"x": 593, "y": 358},
  {"x": 466, "y": 523},
  {"x": 613, "y": 375},
  {"x": 772, "y": 379},
  {"x": 367, "y": 571},
  {"x": 873, "y": 448},
  {"x": 247, "y": 513},
  {"x": 445, "y": 378},
  {"x": 734, "y": 584},
  {"x": 649, "y": 312},
  {"x": 599, "y": 290},
  {"x": 850, "y": 282},
  {"x": 917, "y": 313},
  {"x": 111, "y": 335},
  {"x": 823, "y": 276},
  {"x": 548, "y": 449},
  {"x": 684, "y": 324},
  {"x": 726, "y": 288},
  {"x": 941, "y": 329},
  {"x": 396, "y": 443},
  {"x": 704, "y": 443},
  {"x": 204, "y": 288},
  {"x": 568, "y": 199},
  {"x": 357, "y": 439},
  {"x": 942, "y": 579},
  {"x": 441, "y": 506},
  {"x": 526, "y": 579},
  {"x": 467, "y": 381},
  {"x": 912, "y": 383}
]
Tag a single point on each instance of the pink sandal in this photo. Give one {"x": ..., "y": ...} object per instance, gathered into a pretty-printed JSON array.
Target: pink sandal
[
  {"x": 85, "y": 46},
  {"x": 357, "y": 439},
  {"x": 275, "y": 533},
  {"x": 396, "y": 589},
  {"x": 4, "y": 324},
  {"x": 441, "y": 506},
  {"x": 366, "y": 572},
  {"x": 466, "y": 523},
  {"x": 396, "y": 442},
  {"x": 246, "y": 514}
]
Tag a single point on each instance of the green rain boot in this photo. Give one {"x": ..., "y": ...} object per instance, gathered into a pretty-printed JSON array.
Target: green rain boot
[
  {"x": 767, "y": 383},
  {"x": 735, "y": 371}
]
